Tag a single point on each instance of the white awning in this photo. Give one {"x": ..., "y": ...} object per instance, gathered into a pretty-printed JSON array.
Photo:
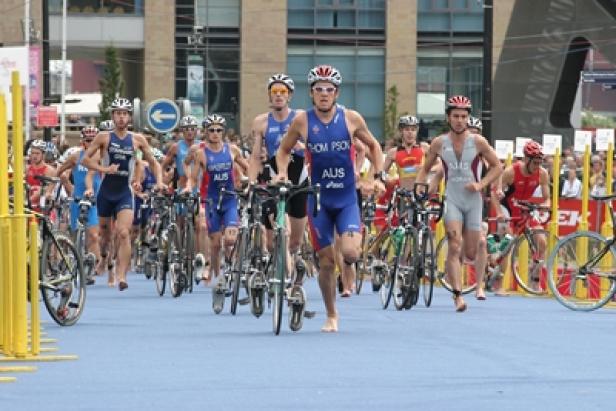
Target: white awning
[{"x": 86, "y": 106}]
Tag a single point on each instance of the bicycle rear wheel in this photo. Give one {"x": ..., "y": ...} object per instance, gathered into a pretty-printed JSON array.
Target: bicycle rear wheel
[
  {"x": 428, "y": 273},
  {"x": 467, "y": 275},
  {"x": 535, "y": 281},
  {"x": 62, "y": 280},
  {"x": 577, "y": 283}
]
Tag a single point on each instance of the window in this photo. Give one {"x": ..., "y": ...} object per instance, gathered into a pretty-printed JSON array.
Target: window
[
  {"x": 218, "y": 13},
  {"x": 114, "y": 7},
  {"x": 363, "y": 78},
  {"x": 450, "y": 15},
  {"x": 443, "y": 73},
  {"x": 336, "y": 14}
]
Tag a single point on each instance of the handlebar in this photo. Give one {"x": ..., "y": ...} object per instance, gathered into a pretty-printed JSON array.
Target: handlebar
[{"x": 275, "y": 190}]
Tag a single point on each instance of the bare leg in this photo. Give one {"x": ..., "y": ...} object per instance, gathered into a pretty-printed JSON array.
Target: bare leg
[
  {"x": 452, "y": 265},
  {"x": 124, "y": 222},
  {"x": 106, "y": 249},
  {"x": 327, "y": 284},
  {"x": 478, "y": 247}
]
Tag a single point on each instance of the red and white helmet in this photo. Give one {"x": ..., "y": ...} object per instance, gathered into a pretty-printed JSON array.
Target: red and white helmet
[
  {"x": 533, "y": 149},
  {"x": 461, "y": 102},
  {"x": 324, "y": 73}
]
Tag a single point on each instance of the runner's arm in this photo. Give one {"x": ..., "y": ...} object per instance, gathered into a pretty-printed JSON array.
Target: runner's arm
[
  {"x": 430, "y": 161},
  {"x": 283, "y": 156},
  {"x": 255, "y": 164}
]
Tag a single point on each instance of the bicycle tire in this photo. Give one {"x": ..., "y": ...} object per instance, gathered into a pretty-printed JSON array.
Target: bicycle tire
[
  {"x": 429, "y": 266},
  {"x": 560, "y": 275},
  {"x": 236, "y": 276},
  {"x": 469, "y": 283},
  {"x": 67, "y": 312},
  {"x": 361, "y": 264},
  {"x": 386, "y": 289},
  {"x": 514, "y": 263},
  {"x": 188, "y": 252},
  {"x": 160, "y": 270},
  {"x": 280, "y": 267},
  {"x": 174, "y": 272}
]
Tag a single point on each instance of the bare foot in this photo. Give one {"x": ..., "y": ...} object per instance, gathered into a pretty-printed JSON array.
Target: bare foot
[
  {"x": 331, "y": 325},
  {"x": 346, "y": 294},
  {"x": 111, "y": 279},
  {"x": 480, "y": 294},
  {"x": 501, "y": 293},
  {"x": 460, "y": 304}
]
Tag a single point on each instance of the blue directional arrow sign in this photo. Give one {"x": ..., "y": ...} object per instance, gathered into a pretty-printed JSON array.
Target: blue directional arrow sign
[{"x": 163, "y": 115}]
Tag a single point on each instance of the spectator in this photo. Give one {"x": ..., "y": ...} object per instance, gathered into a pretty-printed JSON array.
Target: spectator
[
  {"x": 599, "y": 188},
  {"x": 572, "y": 186},
  {"x": 597, "y": 170}
]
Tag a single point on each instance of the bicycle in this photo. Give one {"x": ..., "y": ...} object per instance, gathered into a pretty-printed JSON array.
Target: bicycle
[
  {"x": 525, "y": 240},
  {"x": 278, "y": 279},
  {"x": 581, "y": 272},
  {"x": 61, "y": 279}
]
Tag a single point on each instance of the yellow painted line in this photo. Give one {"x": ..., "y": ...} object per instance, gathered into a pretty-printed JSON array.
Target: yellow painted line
[
  {"x": 39, "y": 358},
  {"x": 18, "y": 369},
  {"x": 7, "y": 379},
  {"x": 49, "y": 349}
]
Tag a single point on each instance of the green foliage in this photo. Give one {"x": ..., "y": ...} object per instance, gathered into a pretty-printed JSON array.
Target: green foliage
[
  {"x": 111, "y": 83},
  {"x": 590, "y": 120},
  {"x": 390, "y": 119}
]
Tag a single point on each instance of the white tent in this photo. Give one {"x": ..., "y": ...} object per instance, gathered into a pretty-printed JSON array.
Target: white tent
[{"x": 86, "y": 106}]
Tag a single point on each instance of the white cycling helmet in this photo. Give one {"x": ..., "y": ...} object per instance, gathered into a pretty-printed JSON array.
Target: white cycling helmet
[
  {"x": 281, "y": 78},
  {"x": 106, "y": 125},
  {"x": 324, "y": 73},
  {"x": 158, "y": 155},
  {"x": 214, "y": 119},
  {"x": 121, "y": 103},
  {"x": 188, "y": 122},
  {"x": 406, "y": 121},
  {"x": 38, "y": 144},
  {"x": 69, "y": 152},
  {"x": 89, "y": 131},
  {"x": 474, "y": 122}
]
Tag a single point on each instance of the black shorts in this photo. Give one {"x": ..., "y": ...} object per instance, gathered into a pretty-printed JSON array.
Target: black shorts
[{"x": 296, "y": 207}]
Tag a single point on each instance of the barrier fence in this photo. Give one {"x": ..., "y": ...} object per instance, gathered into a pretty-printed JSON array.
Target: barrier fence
[{"x": 20, "y": 328}]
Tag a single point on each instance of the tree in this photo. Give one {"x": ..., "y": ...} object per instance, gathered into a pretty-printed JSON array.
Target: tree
[
  {"x": 111, "y": 83},
  {"x": 590, "y": 120},
  {"x": 390, "y": 119}
]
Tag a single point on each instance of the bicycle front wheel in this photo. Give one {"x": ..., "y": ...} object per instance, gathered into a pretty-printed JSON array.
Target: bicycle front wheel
[
  {"x": 278, "y": 285},
  {"x": 383, "y": 271},
  {"x": 533, "y": 278},
  {"x": 239, "y": 254},
  {"x": 176, "y": 284},
  {"x": 189, "y": 252},
  {"x": 467, "y": 275},
  {"x": 578, "y": 281},
  {"x": 62, "y": 280},
  {"x": 428, "y": 266}
]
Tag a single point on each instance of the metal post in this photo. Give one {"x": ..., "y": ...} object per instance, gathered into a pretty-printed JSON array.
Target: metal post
[
  {"x": 486, "y": 110},
  {"x": 27, "y": 44},
  {"x": 46, "y": 85},
  {"x": 63, "y": 79}
]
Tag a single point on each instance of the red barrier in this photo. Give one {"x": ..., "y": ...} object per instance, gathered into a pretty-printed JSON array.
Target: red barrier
[{"x": 569, "y": 213}]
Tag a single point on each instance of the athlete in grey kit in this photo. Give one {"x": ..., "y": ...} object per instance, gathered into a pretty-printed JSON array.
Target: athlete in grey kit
[{"x": 460, "y": 151}]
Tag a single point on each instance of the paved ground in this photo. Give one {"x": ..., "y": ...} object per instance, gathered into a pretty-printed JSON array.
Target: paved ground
[{"x": 139, "y": 351}]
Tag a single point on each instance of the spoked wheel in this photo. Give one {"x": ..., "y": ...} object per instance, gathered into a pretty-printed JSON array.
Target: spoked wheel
[
  {"x": 176, "y": 285},
  {"x": 384, "y": 271},
  {"x": 189, "y": 253},
  {"x": 469, "y": 282},
  {"x": 63, "y": 282},
  {"x": 239, "y": 255},
  {"x": 278, "y": 285},
  {"x": 576, "y": 281},
  {"x": 428, "y": 273},
  {"x": 535, "y": 280},
  {"x": 159, "y": 270}
]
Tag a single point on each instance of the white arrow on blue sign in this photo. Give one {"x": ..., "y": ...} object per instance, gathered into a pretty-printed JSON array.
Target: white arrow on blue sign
[{"x": 163, "y": 115}]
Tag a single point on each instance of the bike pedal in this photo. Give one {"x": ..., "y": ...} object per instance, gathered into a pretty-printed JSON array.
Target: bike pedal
[{"x": 309, "y": 314}]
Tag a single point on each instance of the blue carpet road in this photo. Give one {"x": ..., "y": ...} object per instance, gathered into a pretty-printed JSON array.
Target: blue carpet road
[{"x": 138, "y": 351}]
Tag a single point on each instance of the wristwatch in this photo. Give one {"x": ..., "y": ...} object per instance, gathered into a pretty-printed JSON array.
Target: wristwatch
[{"x": 380, "y": 176}]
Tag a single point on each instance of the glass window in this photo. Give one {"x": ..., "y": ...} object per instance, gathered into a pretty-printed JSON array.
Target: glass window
[
  {"x": 300, "y": 3},
  {"x": 342, "y": 14},
  {"x": 363, "y": 78},
  {"x": 218, "y": 13}
]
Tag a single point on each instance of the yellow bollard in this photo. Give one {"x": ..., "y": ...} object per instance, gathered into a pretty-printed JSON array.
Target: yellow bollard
[
  {"x": 582, "y": 244},
  {"x": 553, "y": 224},
  {"x": 7, "y": 268},
  {"x": 507, "y": 282},
  {"x": 607, "y": 228},
  {"x": 18, "y": 235},
  {"x": 4, "y": 210},
  {"x": 35, "y": 314}
]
